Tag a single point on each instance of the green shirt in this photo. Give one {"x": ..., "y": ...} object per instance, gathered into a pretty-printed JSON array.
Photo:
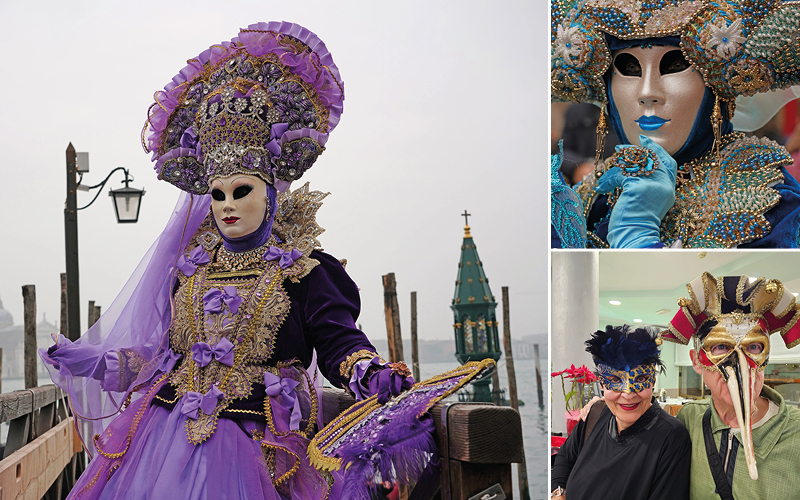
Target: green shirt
[{"x": 777, "y": 450}]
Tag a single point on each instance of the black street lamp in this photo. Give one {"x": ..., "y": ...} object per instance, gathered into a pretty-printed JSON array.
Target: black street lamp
[{"x": 126, "y": 202}]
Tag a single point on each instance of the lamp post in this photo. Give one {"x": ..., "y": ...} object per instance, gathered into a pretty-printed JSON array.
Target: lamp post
[{"x": 126, "y": 201}]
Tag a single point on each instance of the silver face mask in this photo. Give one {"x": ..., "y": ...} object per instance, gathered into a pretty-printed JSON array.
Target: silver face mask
[{"x": 657, "y": 93}]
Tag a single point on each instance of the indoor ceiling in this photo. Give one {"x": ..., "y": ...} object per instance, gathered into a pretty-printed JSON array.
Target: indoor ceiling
[{"x": 649, "y": 283}]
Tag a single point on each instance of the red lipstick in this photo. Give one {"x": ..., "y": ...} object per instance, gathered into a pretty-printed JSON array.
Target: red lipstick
[
  {"x": 630, "y": 407},
  {"x": 230, "y": 220}
]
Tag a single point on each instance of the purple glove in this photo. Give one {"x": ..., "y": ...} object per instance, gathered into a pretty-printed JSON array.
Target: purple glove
[{"x": 390, "y": 381}]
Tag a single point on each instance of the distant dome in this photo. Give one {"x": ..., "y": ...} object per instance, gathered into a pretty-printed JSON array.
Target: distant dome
[{"x": 6, "y": 319}]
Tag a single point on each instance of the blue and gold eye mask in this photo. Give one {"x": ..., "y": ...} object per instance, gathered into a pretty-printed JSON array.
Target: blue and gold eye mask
[{"x": 633, "y": 380}]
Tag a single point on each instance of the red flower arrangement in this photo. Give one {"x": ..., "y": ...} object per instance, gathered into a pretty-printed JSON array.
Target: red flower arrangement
[{"x": 580, "y": 377}]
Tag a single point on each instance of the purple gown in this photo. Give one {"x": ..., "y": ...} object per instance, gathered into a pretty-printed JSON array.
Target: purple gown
[{"x": 226, "y": 401}]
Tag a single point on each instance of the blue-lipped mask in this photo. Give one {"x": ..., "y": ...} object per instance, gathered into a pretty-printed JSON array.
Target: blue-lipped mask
[{"x": 658, "y": 97}]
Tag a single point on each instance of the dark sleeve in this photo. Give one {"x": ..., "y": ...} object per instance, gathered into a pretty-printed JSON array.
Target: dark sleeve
[
  {"x": 331, "y": 308},
  {"x": 674, "y": 462},
  {"x": 784, "y": 218},
  {"x": 555, "y": 240},
  {"x": 567, "y": 456}
]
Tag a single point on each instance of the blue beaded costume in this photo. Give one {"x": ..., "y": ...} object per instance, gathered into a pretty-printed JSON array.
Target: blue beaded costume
[{"x": 731, "y": 190}]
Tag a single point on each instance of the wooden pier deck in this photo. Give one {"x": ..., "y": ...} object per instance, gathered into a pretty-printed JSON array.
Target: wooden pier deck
[{"x": 42, "y": 453}]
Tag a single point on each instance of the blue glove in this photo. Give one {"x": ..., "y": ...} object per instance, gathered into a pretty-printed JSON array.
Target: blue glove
[{"x": 645, "y": 199}]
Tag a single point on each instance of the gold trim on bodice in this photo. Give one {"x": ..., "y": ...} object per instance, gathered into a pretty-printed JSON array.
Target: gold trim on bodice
[{"x": 252, "y": 329}]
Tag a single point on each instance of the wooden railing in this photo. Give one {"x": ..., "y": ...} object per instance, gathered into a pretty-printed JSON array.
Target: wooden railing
[{"x": 41, "y": 458}]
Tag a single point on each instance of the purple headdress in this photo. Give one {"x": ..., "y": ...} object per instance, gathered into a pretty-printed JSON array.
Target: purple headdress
[
  {"x": 287, "y": 71},
  {"x": 261, "y": 104}
]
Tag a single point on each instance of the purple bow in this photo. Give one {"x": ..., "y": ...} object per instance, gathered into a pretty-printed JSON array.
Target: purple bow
[
  {"x": 197, "y": 257},
  {"x": 287, "y": 258},
  {"x": 214, "y": 298},
  {"x": 206, "y": 402},
  {"x": 283, "y": 391},
  {"x": 222, "y": 351},
  {"x": 169, "y": 361},
  {"x": 190, "y": 140},
  {"x": 277, "y": 130}
]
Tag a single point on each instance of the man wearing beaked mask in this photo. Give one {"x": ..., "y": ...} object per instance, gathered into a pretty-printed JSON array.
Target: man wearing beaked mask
[{"x": 731, "y": 319}]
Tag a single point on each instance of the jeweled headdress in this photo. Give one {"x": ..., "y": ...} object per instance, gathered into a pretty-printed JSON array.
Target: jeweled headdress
[
  {"x": 627, "y": 359},
  {"x": 736, "y": 299},
  {"x": 261, "y": 104},
  {"x": 740, "y": 46}
]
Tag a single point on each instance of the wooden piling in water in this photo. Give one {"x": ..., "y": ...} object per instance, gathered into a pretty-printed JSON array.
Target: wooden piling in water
[
  {"x": 90, "y": 315},
  {"x": 391, "y": 310},
  {"x": 414, "y": 343},
  {"x": 29, "y": 304},
  {"x": 496, "y": 391},
  {"x": 538, "y": 375},
  {"x": 522, "y": 469},
  {"x": 1, "y": 369},
  {"x": 512, "y": 377},
  {"x": 93, "y": 314}
]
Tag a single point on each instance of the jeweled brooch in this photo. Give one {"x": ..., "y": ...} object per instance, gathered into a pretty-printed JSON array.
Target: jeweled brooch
[{"x": 634, "y": 161}]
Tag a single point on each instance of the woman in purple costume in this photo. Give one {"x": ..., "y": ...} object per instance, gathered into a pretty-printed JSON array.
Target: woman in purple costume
[{"x": 201, "y": 379}]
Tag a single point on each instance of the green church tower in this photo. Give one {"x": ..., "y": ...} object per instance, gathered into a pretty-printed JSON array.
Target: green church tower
[{"x": 473, "y": 305}]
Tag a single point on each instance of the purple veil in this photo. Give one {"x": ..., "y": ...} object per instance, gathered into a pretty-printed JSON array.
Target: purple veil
[{"x": 138, "y": 319}]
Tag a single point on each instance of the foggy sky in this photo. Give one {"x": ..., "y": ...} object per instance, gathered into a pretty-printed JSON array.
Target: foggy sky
[{"x": 446, "y": 109}]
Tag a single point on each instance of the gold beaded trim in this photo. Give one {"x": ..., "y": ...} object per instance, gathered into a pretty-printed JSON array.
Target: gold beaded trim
[
  {"x": 288, "y": 474},
  {"x": 238, "y": 261},
  {"x": 346, "y": 366},
  {"x": 92, "y": 482},
  {"x": 134, "y": 424},
  {"x": 238, "y": 356},
  {"x": 252, "y": 412},
  {"x": 168, "y": 402},
  {"x": 322, "y": 462},
  {"x": 112, "y": 455}
]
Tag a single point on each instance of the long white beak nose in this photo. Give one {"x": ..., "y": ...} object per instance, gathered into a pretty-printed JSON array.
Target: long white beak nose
[{"x": 740, "y": 385}]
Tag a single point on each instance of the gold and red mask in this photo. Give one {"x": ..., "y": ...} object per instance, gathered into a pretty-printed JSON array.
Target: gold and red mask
[{"x": 731, "y": 320}]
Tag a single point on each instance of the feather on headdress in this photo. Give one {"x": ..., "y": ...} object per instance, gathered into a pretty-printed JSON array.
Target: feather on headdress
[{"x": 623, "y": 348}]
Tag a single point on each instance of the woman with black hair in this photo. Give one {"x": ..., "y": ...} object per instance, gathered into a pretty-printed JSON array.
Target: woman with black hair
[{"x": 634, "y": 450}]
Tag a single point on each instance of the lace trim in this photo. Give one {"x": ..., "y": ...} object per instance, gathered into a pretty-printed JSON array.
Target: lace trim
[{"x": 346, "y": 366}]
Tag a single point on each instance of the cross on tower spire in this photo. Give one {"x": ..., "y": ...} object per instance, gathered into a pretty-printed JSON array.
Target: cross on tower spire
[{"x": 466, "y": 224}]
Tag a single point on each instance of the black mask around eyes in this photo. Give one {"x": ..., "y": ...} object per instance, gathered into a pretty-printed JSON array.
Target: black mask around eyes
[{"x": 238, "y": 193}]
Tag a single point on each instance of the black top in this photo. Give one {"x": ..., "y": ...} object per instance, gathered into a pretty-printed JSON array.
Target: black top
[{"x": 649, "y": 460}]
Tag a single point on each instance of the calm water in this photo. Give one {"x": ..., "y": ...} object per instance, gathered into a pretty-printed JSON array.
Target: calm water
[{"x": 534, "y": 420}]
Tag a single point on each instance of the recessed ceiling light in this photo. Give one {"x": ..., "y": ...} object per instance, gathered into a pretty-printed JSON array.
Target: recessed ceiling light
[
  {"x": 794, "y": 294},
  {"x": 615, "y": 302},
  {"x": 637, "y": 320}
]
